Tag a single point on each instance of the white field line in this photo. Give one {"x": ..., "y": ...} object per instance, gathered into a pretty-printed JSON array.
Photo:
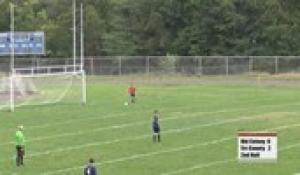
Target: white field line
[
  {"x": 291, "y": 146},
  {"x": 176, "y": 149},
  {"x": 45, "y": 102},
  {"x": 69, "y": 122},
  {"x": 231, "y": 120},
  {"x": 122, "y": 114},
  {"x": 170, "y": 131},
  {"x": 143, "y": 155},
  {"x": 206, "y": 165},
  {"x": 200, "y": 166},
  {"x": 110, "y": 127},
  {"x": 26, "y": 104},
  {"x": 119, "y": 127},
  {"x": 50, "y": 102},
  {"x": 113, "y": 116},
  {"x": 63, "y": 94}
]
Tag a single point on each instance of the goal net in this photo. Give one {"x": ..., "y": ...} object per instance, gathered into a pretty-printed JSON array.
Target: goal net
[{"x": 42, "y": 85}]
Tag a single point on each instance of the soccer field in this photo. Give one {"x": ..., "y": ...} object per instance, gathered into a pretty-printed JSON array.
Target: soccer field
[{"x": 199, "y": 127}]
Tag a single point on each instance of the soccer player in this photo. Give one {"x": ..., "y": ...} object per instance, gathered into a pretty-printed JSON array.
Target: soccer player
[
  {"x": 20, "y": 145},
  {"x": 132, "y": 93},
  {"x": 90, "y": 168},
  {"x": 156, "y": 127}
]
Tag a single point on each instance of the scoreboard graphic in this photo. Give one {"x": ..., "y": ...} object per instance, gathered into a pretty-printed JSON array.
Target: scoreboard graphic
[
  {"x": 257, "y": 146},
  {"x": 25, "y": 43}
]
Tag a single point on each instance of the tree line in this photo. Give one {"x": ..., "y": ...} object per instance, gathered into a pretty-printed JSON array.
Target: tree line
[{"x": 163, "y": 27}]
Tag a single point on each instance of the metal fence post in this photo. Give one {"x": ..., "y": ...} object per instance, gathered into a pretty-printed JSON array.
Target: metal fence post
[
  {"x": 37, "y": 62},
  {"x": 120, "y": 65},
  {"x": 92, "y": 65},
  {"x": 276, "y": 64},
  {"x": 200, "y": 65},
  {"x": 147, "y": 65},
  {"x": 227, "y": 65},
  {"x": 250, "y": 64}
]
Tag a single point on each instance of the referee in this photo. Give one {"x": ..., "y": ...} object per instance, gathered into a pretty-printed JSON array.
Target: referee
[{"x": 20, "y": 146}]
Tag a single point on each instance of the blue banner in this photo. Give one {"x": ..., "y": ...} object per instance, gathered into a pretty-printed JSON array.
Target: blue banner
[{"x": 25, "y": 43}]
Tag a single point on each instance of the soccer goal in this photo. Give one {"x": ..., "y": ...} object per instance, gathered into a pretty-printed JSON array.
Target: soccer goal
[
  {"x": 39, "y": 85},
  {"x": 43, "y": 85}
]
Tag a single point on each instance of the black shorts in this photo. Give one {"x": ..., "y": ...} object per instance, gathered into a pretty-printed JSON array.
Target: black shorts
[
  {"x": 156, "y": 130},
  {"x": 20, "y": 150},
  {"x": 132, "y": 95}
]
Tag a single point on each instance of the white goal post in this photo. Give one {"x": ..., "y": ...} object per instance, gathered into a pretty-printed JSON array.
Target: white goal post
[{"x": 25, "y": 83}]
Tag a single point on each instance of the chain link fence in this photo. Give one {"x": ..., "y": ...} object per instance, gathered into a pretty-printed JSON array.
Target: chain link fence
[
  {"x": 165, "y": 65},
  {"x": 196, "y": 65}
]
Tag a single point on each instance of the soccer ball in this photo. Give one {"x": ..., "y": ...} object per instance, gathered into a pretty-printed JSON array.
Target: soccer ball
[{"x": 125, "y": 103}]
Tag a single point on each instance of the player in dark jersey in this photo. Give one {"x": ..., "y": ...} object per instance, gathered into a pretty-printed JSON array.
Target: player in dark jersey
[
  {"x": 156, "y": 127},
  {"x": 90, "y": 168}
]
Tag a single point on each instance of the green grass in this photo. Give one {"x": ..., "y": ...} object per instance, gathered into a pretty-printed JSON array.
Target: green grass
[{"x": 63, "y": 136}]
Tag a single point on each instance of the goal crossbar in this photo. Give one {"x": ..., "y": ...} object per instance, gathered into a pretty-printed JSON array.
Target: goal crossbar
[{"x": 43, "y": 71}]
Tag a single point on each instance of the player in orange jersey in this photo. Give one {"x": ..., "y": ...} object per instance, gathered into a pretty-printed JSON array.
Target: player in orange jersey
[{"x": 132, "y": 93}]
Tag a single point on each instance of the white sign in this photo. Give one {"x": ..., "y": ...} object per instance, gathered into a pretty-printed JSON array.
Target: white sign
[{"x": 257, "y": 146}]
